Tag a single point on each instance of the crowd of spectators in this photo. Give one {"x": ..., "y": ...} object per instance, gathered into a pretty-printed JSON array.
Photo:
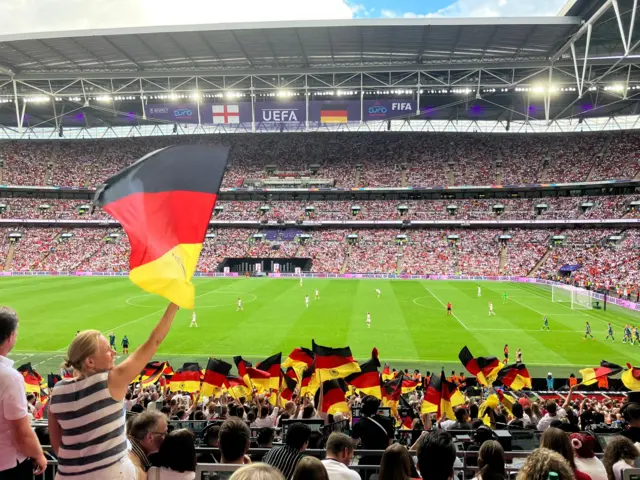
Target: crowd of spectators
[
  {"x": 347, "y": 159},
  {"x": 606, "y": 256}
]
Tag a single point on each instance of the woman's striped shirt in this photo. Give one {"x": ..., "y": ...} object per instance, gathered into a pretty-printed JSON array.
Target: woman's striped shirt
[{"x": 92, "y": 423}]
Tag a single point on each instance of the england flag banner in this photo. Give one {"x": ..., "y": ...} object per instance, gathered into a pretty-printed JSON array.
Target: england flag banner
[{"x": 226, "y": 114}]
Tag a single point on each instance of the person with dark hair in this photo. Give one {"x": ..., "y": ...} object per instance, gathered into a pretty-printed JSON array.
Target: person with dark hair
[
  {"x": 553, "y": 413},
  {"x": 176, "y": 458},
  {"x": 286, "y": 457},
  {"x": 264, "y": 440},
  {"x": 619, "y": 455},
  {"x": 395, "y": 464},
  {"x": 340, "y": 449},
  {"x": 491, "y": 461},
  {"x": 19, "y": 446},
  {"x": 235, "y": 440},
  {"x": 310, "y": 468},
  {"x": 436, "y": 455},
  {"x": 211, "y": 433},
  {"x": 146, "y": 433},
  {"x": 460, "y": 423},
  {"x": 558, "y": 441},
  {"x": 631, "y": 411},
  {"x": 520, "y": 419},
  {"x": 373, "y": 431}
]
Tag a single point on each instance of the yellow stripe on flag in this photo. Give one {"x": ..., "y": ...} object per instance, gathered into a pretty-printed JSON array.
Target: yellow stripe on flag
[{"x": 170, "y": 275}]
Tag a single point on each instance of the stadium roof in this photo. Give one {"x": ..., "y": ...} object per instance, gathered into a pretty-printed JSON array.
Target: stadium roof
[{"x": 286, "y": 45}]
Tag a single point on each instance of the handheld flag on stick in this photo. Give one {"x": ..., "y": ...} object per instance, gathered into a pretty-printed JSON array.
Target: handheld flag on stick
[
  {"x": 441, "y": 396},
  {"x": 164, "y": 203},
  {"x": 485, "y": 369},
  {"x": 515, "y": 376},
  {"x": 332, "y": 363},
  {"x": 299, "y": 359},
  {"x": 367, "y": 380},
  {"x": 186, "y": 379},
  {"x": 271, "y": 365},
  {"x": 289, "y": 383},
  {"x": 151, "y": 373},
  {"x": 215, "y": 376},
  {"x": 32, "y": 379},
  {"x": 631, "y": 378},
  {"x": 333, "y": 398},
  {"x": 590, "y": 376}
]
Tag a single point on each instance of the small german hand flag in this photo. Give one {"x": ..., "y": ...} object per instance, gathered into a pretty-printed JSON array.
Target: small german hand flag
[
  {"x": 367, "y": 380},
  {"x": 590, "y": 376},
  {"x": 485, "y": 369},
  {"x": 309, "y": 382},
  {"x": 271, "y": 365},
  {"x": 151, "y": 373},
  {"x": 299, "y": 359},
  {"x": 332, "y": 363},
  {"x": 289, "y": 383},
  {"x": 237, "y": 387},
  {"x": 32, "y": 379},
  {"x": 515, "y": 376},
  {"x": 164, "y": 203},
  {"x": 441, "y": 396}
]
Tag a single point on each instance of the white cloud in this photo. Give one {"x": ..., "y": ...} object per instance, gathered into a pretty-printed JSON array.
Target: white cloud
[
  {"x": 488, "y": 8},
  {"x": 25, "y": 16}
]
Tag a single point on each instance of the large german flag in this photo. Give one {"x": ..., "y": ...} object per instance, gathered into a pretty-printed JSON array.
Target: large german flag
[
  {"x": 387, "y": 374},
  {"x": 391, "y": 393},
  {"x": 333, "y": 398},
  {"x": 215, "y": 376},
  {"x": 237, "y": 387},
  {"x": 32, "y": 379},
  {"x": 334, "y": 114},
  {"x": 631, "y": 378},
  {"x": 367, "y": 380},
  {"x": 255, "y": 377},
  {"x": 515, "y": 376},
  {"x": 590, "y": 376},
  {"x": 332, "y": 363},
  {"x": 408, "y": 384},
  {"x": 485, "y": 369},
  {"x": 299, "y": 359},
  {"x": 271, "y": 365},
  {"x": 289, "y": 383},
  {"x": 441, "y": 396},
  {"x": 151, "y": 373},
  {"x": 186, "y": 379},
  {"x": 164, "y": 202},
  {"x": 309, "y": 382}
]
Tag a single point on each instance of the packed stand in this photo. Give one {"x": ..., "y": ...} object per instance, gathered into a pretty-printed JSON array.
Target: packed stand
[
  {"x": 571, "y": 159},
  {"x": 327, "y": 249},
  {"x": 525, "y": 249},
  {"x": 523, "y": 158},
  {"x": 621, "y": 159},
  {"x": 374, "y": 251}
]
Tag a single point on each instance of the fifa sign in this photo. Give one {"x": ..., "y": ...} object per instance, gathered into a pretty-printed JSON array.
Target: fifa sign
[{"x": 402, "y": 106}]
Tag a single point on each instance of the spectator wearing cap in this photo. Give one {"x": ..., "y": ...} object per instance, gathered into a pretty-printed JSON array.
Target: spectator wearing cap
[
  {"x": 340, "y": 448},
  {"x": 585, "y": 459},
  {"x": 286, "y": 457}
]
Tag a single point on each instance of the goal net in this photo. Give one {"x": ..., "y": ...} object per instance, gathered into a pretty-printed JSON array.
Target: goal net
[{"x": 578, "y": 298}]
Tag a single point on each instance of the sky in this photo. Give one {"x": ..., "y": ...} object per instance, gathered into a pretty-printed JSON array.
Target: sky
[{"x": 28, "y": 16}]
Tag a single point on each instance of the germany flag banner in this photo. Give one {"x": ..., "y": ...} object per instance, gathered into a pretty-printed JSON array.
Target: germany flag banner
[
  {"x": 164, "y": 203},
  {"x": 215, "y": 376},
  {"x": 271, "y": 365},
  {"x": 631, "y": 378},
  {"x": 289, "y": 383},
  {"x": 391, "y": 393},
  {"x": 590, "y": 376},
  {"x": 299, "y": 359},
  {"x": 332, "y": 363},
  {"x": 367, "y": 380},
  {"x": 485, "y": 369},
  {"x": 151, "y": 373},
  {"x": 186, "y": 379},
  {"x": 441, "y": 396},
  {"x": 408, "y": 384},
  {"x": 333, "y": 398},
  {"x": 32, "y": 379},
  {"x": 237, "y": 387},
  {"x": 515, "y": 376},
  {"x": 309, "y": 382},
  {"x": 387, "y": 374}
]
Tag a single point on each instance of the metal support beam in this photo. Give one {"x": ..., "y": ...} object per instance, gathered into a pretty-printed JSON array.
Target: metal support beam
[
  {"x": 579, "y": 76},
  {"x": 547, "y": 97},
  {"x": 623, "y": 37},
  {"x": 15, "y": 101}
]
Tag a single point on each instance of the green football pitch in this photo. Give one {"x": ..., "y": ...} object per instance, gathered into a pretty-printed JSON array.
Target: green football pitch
[{"x": 409, "y": 324}]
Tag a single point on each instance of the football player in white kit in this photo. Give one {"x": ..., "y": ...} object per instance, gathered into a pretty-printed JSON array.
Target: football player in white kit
[
  {"x": 491, "y": 312},
  {"x": 479, "y": 291},
  {"x": 368, "y": 320},
  {"x": 306, "y": 300},
  {"x": 194, "y": 323},
  {"x": 239, "y": 309},
  {"x": 317, "y": 294},
  {"x": 378, "y": 292}
]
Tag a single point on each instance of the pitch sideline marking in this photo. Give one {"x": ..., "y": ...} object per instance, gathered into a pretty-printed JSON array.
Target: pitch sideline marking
[{"x": 453, "y": 314}]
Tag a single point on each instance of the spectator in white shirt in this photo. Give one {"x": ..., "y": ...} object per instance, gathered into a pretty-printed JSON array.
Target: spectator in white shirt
[
  {"x": 553, "y": 413},
  {"x": 265, "y": 420},
  {"x": 20, "y": 451},
  {"x": 340, "y": 449}
]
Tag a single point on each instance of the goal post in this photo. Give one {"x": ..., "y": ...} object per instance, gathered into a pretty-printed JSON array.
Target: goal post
[
  {"x": 578, "y": 298},
  {"x": 581, "y": 299}
]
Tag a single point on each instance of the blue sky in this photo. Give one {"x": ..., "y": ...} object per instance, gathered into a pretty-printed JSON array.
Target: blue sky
[{"x": 27, "y": 16}]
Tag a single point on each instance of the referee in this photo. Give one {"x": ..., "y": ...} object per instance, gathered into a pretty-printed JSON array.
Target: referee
[{"x": 20, "y": 452}]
